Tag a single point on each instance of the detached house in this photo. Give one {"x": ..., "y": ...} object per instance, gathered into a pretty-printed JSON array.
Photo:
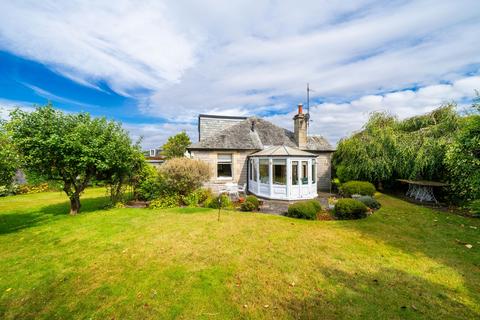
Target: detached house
[{"x": 271, "y": 161}]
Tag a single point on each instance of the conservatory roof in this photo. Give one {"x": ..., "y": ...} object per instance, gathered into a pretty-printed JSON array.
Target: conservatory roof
[{"x": 282, "y": 151}]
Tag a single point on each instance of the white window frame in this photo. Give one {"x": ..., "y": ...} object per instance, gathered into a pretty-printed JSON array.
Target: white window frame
[{"x": 152, "y": 152}]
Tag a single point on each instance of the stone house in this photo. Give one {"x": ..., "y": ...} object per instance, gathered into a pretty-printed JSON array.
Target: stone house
[{"x": 271, "y": 161}]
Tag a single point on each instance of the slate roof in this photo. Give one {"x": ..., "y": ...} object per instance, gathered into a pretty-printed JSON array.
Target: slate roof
[
  {"x": 255, "y": 134},
  {"x": 282, "y": 151}
]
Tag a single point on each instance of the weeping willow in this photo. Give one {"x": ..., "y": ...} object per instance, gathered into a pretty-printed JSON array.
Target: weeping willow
[{"x": 388, "y": 148}]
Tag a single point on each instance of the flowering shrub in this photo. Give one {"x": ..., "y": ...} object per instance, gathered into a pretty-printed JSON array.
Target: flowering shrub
[
  {"x": 165, "y": 201},
  {"x": 183, "y": 175}
]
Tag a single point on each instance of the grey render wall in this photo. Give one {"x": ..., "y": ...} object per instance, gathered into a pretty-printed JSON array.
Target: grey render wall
[{"x": 209, "y": 126}]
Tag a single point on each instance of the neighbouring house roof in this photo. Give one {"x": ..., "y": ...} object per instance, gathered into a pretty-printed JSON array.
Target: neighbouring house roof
[
  {"x": 255, "y": 134},
  {"x": 284, "y": 151}
]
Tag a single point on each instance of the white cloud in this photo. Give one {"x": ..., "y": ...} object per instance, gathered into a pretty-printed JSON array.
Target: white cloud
[
  {"x": 335, "y": 121},
  {"x": 155, "y": 135},
  {"x": 126, "y": 43},
  {"x": 243, "y": 57}
]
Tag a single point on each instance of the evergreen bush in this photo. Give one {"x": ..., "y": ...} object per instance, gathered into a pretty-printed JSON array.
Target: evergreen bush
[
  {"x": 363, "y": 188},
  {"x": 350, "y": 209}
]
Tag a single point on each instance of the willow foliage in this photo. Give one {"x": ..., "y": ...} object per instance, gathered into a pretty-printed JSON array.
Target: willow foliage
[{"x": 388, "y": 148}]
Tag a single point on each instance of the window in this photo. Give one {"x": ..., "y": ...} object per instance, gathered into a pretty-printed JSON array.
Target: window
[
  {"x": 264, "y": 174},
  {"x": 304, "y": 172},
  {"x": 314, "y": 171},
  {"x": 280, "y": 172},
  {"x": 294, "y": 173},
  {"x": 224, "y": 166},
  {"x": 152, "y": 152}
]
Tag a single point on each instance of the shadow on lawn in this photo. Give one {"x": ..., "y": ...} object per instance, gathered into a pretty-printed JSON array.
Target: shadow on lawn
[
  {"x": 23, "y": 219},
  {"x": 387, "y": 294},
  {"x": 414, "y": 229}
]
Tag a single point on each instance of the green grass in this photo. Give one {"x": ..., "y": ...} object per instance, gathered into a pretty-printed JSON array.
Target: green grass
[{"x": 405, "y": 261}]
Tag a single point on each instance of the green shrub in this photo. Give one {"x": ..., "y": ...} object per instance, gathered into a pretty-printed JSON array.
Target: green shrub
[
  {"x": 197, "y": 197},
  {"x": 165, "y": 201},
  {"x": 254, "y": 201},
  {"x": 248, "y": 206},
  {"x": 30, "y": 188},
  {"x": 370, "y": 202},
  {"x": 474, "y": 206},
  {"x": 350, "y": 209},
  {"x": 213, "y": 202},
  {"x": 203, "y": 195},
  {"x": 304, "y": 210},
  {"x": 4, "y": 191},
  {"x": 150, "y": 186},
  {"x": 363, "y": 188}
]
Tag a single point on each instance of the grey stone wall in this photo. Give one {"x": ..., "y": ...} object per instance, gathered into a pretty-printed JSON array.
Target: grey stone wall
[
  {"x": 324, "y": 171},
  {"x": 239, "y": 167}
]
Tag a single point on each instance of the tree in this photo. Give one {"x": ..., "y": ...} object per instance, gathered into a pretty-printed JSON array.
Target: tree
[
  {"x": 387, "y": 148},
  {"x": 71, "y": 148},
  {"x": 9, "y": 162},
  {"x": 125, "y": 165},
  {"x": 176, "y": 145},
  {"x": 463, "y": 160}
]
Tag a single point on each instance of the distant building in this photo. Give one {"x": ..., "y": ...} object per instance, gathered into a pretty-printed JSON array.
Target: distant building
[{"x": 154, "y": 157}]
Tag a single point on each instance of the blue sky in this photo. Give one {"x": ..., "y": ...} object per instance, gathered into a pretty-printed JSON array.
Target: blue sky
[{"x": 155, "y": 65}]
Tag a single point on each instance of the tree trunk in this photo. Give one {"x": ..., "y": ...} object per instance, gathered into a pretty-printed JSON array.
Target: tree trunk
[
  {"x": 74, "y": 204},
  {"x": 380, "y": 186}
]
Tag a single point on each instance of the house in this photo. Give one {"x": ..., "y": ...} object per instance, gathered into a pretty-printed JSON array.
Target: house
[
  {"x": 154, "y": 157},
  {"x": 273, "y": 162}
]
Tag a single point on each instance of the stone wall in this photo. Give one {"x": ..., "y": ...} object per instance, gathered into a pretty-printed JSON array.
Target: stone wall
[
  {"x": 324, "y": 171},
  {"x": 209, "y": 126},
  {"x": 239, "y": 167}
]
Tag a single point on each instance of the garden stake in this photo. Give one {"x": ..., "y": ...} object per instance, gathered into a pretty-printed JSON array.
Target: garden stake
[{"x": 219, "y": 206}]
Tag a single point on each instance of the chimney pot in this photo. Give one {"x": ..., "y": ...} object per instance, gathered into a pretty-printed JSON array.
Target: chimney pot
[{"x": 300, "y": 108}]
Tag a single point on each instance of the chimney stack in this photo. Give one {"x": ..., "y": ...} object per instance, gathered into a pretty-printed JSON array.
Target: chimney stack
[{"x": 300, "y": 128}]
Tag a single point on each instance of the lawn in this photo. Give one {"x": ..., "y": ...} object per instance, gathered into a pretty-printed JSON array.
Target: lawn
[{"x": 405, "y": 261}]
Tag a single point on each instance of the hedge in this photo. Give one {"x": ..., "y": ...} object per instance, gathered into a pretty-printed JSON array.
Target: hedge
[{"x": 304, "y": 210}]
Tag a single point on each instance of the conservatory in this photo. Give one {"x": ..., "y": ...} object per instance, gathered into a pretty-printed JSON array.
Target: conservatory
[{"x": 283, "y": 173}]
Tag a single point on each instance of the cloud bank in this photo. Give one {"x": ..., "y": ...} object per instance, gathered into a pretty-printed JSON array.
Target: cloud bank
[{"x": 180, "y": 58}]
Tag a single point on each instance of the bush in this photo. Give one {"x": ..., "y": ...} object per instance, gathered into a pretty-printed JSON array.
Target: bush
[
  {"x": 248, "y": 206},
  {"x": 370, "y": 202},
  {"x": 165, "y": 201},
  {"x": 183, "y": 175},
  {"x": 4, "y": 191},
  {"x": 213, "y": 202},
  {"x": 29, "y": 188},
  {"x": 336, "y": 184},
  {"x": 474, "y": 206},
  {"x": 197, "y": 197},
  {"x": 350, "y": 209},
  {"x": 363, "y": 188},
  {"x": 304, "y": 210},
  {"x": 150, "y": 186},
  {"x": 251, "y": 203}
]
